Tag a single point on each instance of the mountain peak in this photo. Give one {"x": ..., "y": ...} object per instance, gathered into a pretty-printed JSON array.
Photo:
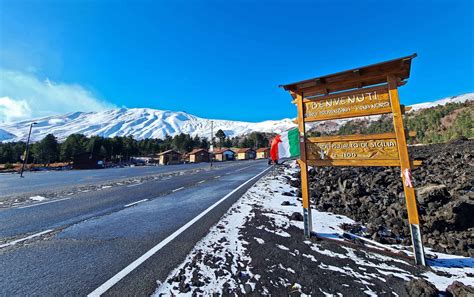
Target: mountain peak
[{"x": 154, "y": 123}]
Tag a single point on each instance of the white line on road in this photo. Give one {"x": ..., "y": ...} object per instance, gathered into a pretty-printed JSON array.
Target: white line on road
[
  {"x": 242, "y": 168},
  {"x": 124, "y": 272},
  {"x": 26, "y": 238},
  {"x": 47, "y": 202},
  {"x": 136, "y": 202},
  {"x": 200, "y": 182},
  {"x": 217, "y": 176},
  {"x": 134, "y": 185},
  {"x": 175, "y": 190}
]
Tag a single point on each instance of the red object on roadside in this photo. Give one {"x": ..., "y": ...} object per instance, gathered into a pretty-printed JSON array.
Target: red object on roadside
[{"x": 274, "y": 148}]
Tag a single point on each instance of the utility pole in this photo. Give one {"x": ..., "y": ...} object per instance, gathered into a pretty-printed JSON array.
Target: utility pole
[
  {"x": 212, "y": 143},
  {"x": 27, "y": 150}
]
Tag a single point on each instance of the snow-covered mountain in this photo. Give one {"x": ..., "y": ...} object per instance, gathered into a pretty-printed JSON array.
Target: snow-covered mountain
[
  {"x": 139, "y": 122},
  {"x": 152, "y": 123},
  {"x": 453, "y": 99}
]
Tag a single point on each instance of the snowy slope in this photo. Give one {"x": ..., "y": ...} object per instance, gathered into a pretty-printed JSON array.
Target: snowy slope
[
  {"x": 152, "y": 123},
  {"x": 453, "y": 99},
  {"x": 139, "y": 122}
]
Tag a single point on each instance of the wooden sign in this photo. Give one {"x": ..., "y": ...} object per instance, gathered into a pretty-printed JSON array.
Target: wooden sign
[
  {"x": 354, "y": 147},
  {"x": 364, "y": 91},
  {"x": 365, "y": 102}
]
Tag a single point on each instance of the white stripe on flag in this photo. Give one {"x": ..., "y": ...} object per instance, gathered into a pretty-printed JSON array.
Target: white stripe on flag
[{"x": 284, "y": 146}]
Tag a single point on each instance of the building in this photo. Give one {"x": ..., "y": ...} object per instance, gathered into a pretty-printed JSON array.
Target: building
[
  {"x": 88, "y": 161},
  {"x": 169, "y": 157},
  {"x": 199, "y": 155},
  {"x": 224, "y": 154},
  {"x": 246, "y": 154},
  {"x": 263, "y": 153}
]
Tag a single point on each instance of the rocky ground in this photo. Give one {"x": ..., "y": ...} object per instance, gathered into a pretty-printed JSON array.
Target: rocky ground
[
  {"x": 258, "y": 248},
  {"x": 374, "y": 197}
]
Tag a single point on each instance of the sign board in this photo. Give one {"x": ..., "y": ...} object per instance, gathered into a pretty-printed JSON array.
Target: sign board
[
  {"x": 364, "y": 91},
  {"x": 371, "y": 101},
  {"x": 358, "y": 148}
]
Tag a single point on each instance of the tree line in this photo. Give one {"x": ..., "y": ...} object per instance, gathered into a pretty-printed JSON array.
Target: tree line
[
  {"x": 120, "y": 148},
  {"x": 432, "y": 125}
]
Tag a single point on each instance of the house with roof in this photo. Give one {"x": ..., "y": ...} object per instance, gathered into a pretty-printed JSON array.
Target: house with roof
[
  {"x": 246, "y": 154},
  {"x": 199, "y": 155},
  {"x": 263, "y": 153},
  {"x": 224, "y": 154},
  {"x": 169, "y": 157}
]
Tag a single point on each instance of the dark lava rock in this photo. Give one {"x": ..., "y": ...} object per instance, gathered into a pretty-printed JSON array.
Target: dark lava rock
[
  {"x": 458, "y": 289},
  {"x": 432, "y": 193},
  {"x": 296, "y": 216},
  {"x": 421, "y": 288},
  {"x": 285, "y": 203},
  {"x": 247, "y": 289},
  {"x": 374, "y": 197}
]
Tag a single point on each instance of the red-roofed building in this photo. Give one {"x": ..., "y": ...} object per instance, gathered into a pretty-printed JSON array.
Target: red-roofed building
[
  {"x": 224, "y": 154},
  {"x": 263, "y": 153},
  {"x": 246, "y": 154}
]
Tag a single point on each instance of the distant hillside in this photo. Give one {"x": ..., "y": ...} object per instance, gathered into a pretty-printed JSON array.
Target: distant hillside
[{"x": 435, "y": 124}]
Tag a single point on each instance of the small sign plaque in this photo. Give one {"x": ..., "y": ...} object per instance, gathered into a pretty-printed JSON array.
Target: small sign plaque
[{"x": 369, "y": 147}]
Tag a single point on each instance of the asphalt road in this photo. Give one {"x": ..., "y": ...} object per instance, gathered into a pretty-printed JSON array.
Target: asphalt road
[
  {"x": 43, "y": 180},
  {"x": 80, "y": 243}
]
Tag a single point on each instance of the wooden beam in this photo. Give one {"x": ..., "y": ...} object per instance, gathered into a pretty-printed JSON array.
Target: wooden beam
[
  {"x": 307, "y": 218},
  {"x": 351, "y": 137},
  {"x": 361, "y": 163},
  {"x": 405, "y": 167}
]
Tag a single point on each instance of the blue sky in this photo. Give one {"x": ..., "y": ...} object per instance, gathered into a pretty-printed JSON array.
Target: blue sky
[{"x": 219, "y": 59}]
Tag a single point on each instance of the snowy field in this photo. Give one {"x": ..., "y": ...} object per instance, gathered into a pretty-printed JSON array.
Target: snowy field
[{"x": 257, "y": 247}]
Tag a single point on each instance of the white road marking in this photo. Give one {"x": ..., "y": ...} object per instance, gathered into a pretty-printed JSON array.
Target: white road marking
[
  {"x": 217, "y": 176},
  {"x": 47, "y": 202},
  {"x": 136, "y": 202},
  {"x": 26, "y": 238},
  {"x": 242, "y": 168},
  {"x": 134, "y": 185},
  {"x": 124, "y": 272},
  {"x": 200, "y": 182},
  {"x": 166, "y": 178},
  {"x": 175, "y": 190}
]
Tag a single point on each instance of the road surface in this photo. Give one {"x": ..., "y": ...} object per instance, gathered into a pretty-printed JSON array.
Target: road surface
[
  {"x": 43, "y": 180},
  {"x": 73, "y": 245}
]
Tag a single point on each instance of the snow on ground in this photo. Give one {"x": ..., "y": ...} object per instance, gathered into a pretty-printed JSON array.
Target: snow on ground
[
  {"x": 38, "y": 198},
  {"x": 222, "y": 262}
]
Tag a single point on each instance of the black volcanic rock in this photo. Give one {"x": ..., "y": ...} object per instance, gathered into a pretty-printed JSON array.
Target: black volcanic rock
[{"x": 374, "y": 195}]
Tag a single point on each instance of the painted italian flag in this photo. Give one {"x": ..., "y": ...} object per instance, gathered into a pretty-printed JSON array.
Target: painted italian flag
[{"x": 285, "y": 145}]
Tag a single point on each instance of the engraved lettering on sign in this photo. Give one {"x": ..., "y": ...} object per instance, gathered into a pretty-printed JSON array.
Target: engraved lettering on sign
[
  {"x": 373, "y": 149},
  {"x": 350, "y": 105}
]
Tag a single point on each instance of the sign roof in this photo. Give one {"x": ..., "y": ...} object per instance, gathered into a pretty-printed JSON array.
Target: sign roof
[{"x": 354, "y": 78}]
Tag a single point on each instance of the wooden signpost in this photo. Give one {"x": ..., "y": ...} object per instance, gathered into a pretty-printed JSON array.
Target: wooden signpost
[{"x": 364, "y": 91}]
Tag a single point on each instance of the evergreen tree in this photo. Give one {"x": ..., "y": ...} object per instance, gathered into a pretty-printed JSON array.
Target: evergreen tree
[
  {"x": 221, "y": 135},
  {"x": 47, "y": 150}
]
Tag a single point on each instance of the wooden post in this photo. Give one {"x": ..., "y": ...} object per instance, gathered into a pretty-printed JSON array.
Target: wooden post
[
  {"x": 406, "y": 172},
  {"x": 307, "y": 219}
]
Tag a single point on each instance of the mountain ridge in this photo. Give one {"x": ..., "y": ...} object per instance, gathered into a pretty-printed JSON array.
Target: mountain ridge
[{"x": 153, "y": 123}]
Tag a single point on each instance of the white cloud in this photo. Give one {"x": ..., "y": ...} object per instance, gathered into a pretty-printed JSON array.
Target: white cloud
[
  {"x": 13, "y": 109},
  {"x": 24, "y": 96}
]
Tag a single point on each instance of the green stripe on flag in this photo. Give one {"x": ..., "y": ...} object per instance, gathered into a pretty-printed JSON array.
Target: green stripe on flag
[{"x": 293, "y": 139}]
